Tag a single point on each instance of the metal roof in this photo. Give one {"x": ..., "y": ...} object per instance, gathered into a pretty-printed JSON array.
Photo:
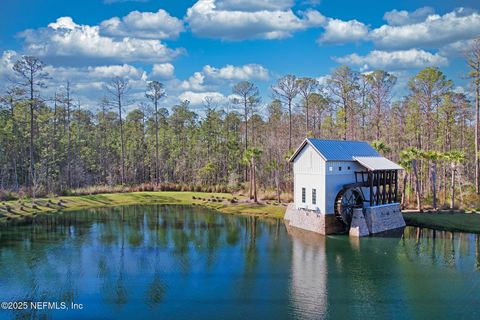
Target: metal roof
[
  {"x": 377, "y": 163},
  {"x": 339, "y": 150}
]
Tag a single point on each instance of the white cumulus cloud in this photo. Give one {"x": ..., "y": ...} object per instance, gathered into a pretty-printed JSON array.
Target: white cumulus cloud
[
  {"x": 254, "y": 5},
  {"x": 394, "y": 60},
  {"x": 339, "y": 31},
  {"x": 197, "y": 98},
  {"x": 194, "y": 82},
  {"x": 230, "y": 72},
  {"x": 210, "y": 76},
  {"x": 7, "y": 60},
  {"x": 65, "y": 38},
  {"x": 228, "y": 21},
  {"x": 434, "y": 31},
  {"x": 403, "y": 17},
  {"x": 154, "y": 25},
  {"x": 163, "y": 70}
]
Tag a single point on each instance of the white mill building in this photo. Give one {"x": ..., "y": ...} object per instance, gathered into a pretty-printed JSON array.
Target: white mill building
[{"x": 333, "y": 179}]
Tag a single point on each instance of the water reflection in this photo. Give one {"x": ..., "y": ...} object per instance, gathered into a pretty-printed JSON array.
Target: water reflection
[
  {"x": 179, "y": 262},
  {"x": 309, "y": 273},
  {"x": 420, "y": 273}
]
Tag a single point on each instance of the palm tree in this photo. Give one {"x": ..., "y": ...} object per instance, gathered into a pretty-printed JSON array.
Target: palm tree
[
  {"x": 412, "y": 155},
  {"x": 433, "y": 157},
  {"x": 407, "y": 166},
  {"x": 456, "y": 158},
  {"x": 381, "y": 147},
  {"x": 250, "y": 156}
]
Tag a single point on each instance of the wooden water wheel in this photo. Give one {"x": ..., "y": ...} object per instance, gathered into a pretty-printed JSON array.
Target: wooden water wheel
[{"x": 347, "y": 200}]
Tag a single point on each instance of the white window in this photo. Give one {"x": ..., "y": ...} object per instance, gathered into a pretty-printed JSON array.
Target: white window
[
  {"x": 314, "y": 196},
  {"x": 304, "y": 195}
]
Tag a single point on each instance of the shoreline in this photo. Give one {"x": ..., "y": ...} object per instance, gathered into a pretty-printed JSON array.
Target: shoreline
[
  {"x": 444, "y": 220},
  {"x": 455, "y": 221},
  {"x": 24, "y": 209}
]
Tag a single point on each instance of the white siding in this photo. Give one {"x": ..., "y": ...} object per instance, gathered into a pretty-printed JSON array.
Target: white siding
[
  {"x": 336, "y": 179},
  {"x": 312, "y": 172},
  {"x": 309, "y": 173}
]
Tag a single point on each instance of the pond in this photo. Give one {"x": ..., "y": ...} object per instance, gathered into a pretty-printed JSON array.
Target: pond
[{"x": 144, "y": 262}]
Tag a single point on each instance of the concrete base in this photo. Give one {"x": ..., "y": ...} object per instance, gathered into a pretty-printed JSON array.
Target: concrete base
[
  {"x": 358, "y": 227},
  {"x": 312, "y": 221},
  {"x": 384, "y": 218},
  {"x": 371, "y": 220}
]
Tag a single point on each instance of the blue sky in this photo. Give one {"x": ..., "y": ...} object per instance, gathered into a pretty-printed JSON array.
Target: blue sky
[{"x": 201, "y": 48}]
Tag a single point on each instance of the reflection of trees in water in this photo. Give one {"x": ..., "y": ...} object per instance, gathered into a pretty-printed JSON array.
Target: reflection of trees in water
[
  {"x": 157, "y": 288},
  {"x": 477, "y": 250},
  {"x": 251, "y": 252},
  {"x": 124, "y": 253},
  {"x": 416, "y": 275},
  {"x": 437, "y": 265},
  {"x": 135, "y": 228},
  {"x": 35, "y": 267},
  {"x": 121, "y": 294},
  {"x": 442, "y": 247},
  {"x": 232, "y": 228}
]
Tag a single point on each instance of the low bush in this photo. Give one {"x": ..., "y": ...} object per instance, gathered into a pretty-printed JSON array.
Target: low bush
[{"x": 6, "y": 195}]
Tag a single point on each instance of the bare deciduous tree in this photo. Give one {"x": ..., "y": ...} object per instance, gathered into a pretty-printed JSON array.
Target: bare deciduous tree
[
  {"x": 118, "y": 88},
  {"x": 286, "y": 90},
  {"x": 155, "y": 92},
  {"x": 307, "y": 86},
  {"x": 343, "y": 84},
  {"x": 247, "y": 92},
  {"x": 380, "y": 84}
]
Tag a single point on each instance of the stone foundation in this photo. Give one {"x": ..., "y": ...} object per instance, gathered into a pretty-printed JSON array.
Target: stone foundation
[
  {"x": 358, "y": 227},
  {"x": 313, "y": 221},
  {"x": 371, "y": 220},
  {"x": 383, "y": 218}
]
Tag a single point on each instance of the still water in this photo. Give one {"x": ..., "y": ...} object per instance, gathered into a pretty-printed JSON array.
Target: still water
[{"x": 180, "y": 262}]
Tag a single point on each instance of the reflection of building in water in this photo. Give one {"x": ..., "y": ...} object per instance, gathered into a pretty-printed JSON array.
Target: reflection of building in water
[
  {"x": 337, "y": 277},
  {"x": 309, "y": 274}
]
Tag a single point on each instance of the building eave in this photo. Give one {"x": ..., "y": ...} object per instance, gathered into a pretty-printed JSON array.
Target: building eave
[{"x": 300, "y": 148}]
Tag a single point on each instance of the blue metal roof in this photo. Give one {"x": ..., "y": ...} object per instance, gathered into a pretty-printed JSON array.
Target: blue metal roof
[
  {"x": 343, "y": 150},
  {"x": 340, "y": 150}
]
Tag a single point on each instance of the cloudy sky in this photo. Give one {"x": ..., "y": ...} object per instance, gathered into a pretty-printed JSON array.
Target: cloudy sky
[{"x": 201, "y": 48}]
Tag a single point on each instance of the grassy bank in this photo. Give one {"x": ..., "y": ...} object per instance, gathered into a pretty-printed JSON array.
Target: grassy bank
[
  {"x": 18, "y": 209},
  {"x": 222, "y": 202},
  {"x": 444, "y": 220}
]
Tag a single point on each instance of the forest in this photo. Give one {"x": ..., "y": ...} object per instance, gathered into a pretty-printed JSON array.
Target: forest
[{"x": 53, "y": 146}]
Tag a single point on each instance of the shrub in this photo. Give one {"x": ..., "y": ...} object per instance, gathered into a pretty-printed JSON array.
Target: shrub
[
  {"x": 268, "y": 195},
  {"x": 8, "y": 195}
]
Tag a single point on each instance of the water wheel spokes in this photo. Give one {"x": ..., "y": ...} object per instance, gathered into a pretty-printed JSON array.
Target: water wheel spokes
[{"x": 346, "y": 201}]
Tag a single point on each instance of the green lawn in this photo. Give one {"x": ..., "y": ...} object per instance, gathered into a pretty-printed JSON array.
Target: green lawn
[
  {"x": 445, "y": 220},
  {"x": 21, "y": 209}
]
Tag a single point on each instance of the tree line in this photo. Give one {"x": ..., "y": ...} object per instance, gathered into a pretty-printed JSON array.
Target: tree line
[{"x": 50, "y": 145}]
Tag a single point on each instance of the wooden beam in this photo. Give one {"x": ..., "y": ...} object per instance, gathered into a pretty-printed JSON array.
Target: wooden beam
[
  {"x": 377, "y": 192},
  {"x": 384, "y": 188},
  {"x": 396, "y": 186},
  {"x": 390, "y": 186},
  {"x": 370, "y": 177}
]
